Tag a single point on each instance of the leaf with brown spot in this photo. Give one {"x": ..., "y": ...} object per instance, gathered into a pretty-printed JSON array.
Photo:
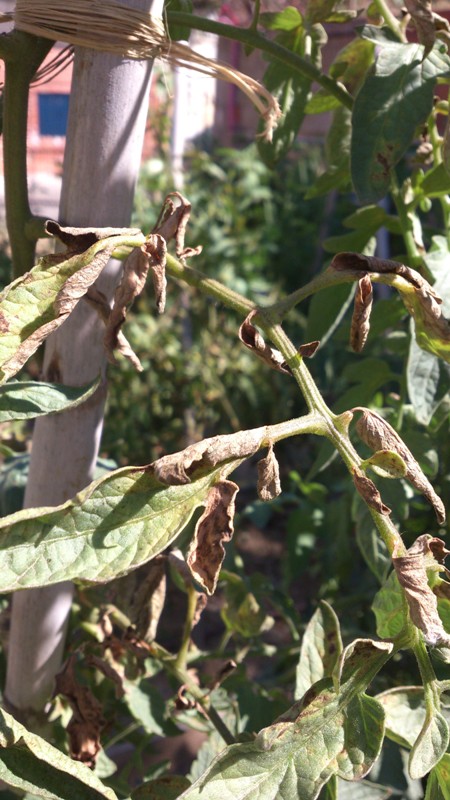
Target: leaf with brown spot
[
  {"x": 87, "y": 720},
  {"x": 134, "y": 275},
  {"x": 213, "y": 529},
  {"x": 269, "y": 476},
  {"x": 309, "y": 349},
  {"x": 252, "y": 339},
  {"x": 37, "y": 303},
  {"x": 411, "y": 570},
  {"x": 98, "y": 301},
  {"x": 377, "y": 434},
  {"x": 179, "y": 468},
  {"x": 361, "y": 314}
]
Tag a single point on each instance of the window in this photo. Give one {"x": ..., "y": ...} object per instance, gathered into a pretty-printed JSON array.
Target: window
[{"x": 53, "y": 111}]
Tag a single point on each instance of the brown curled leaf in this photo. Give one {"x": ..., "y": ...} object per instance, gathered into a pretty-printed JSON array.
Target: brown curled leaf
[
  {"x": 87, "y": 720},
  {"x": 308, "y": 350},
  {"x": 411, "y": 570},
  {"x": 98, "y": 301},
  {"x": 369, "y": 492},
  {"x": 179, "y": 468},
  {"x": 134, "y": 275},
  {"x": 432, "y": 329},
  {"x": 252, "y": 339},
  {"x": 422, "y": 16},
  {"x": 379, "y": 435},
  {"x": 77, "y": 240},
  {"x": 156, "y": 249},
  {"x": 141, "y": 595},
  {"x": 172, "y": 223},
  {"x": 361, "y": 314},
  {"x": 213, "y": 529},
  {"x": 269, "y": 476}
]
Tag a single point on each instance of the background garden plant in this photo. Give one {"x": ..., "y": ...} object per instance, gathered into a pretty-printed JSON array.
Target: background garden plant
[{"x": 321, "y": 672}]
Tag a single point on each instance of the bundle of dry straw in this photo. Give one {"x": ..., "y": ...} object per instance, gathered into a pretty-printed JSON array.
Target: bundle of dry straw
[{"x": 114, "y": 28}]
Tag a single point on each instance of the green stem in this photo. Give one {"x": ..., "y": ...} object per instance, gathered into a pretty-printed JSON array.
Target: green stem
[
  {"x": 429, "y": 680},
  {"x": 252, "y": 39},
  {"x": 209, "y": 286},
  {"x": 389, "y": 18},
  {"x": 29, "y": 52},
  {"x": 182, "y": 655}
]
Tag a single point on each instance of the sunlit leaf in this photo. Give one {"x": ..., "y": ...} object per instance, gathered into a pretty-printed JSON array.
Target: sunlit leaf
[
  {"x": 394, "y": 99},
  {"x": 29, "y": 399},
  {"x": 321, "y": 648},
  {"x": 31, "y": 764}
]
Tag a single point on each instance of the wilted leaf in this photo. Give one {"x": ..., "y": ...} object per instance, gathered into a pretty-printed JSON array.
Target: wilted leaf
[
  {"x": 360, "y": 326},
  {"x": 379, "y": 435},
  {"x": 29, "y": 399},
  {"x": 268, "y": 476},
  {"x": 37, "y": 303},
  {"x": 120, "y": 521},
  {"x": 213, "y": 529},
  {"x": 411, "y": 570},
  {"x": 31, "y": 764},
  {"x": 395, "y": 98},
  {"x": 252, "y": 339},
  {"x": 141, "y": 595},
  {"x": 87, "y": 720},
  {"x": 325, "y": 734},
  {"x": 369, "y": 492},
  {"x": 422, "y": 17},
  {"x": 321, "y": 647}
]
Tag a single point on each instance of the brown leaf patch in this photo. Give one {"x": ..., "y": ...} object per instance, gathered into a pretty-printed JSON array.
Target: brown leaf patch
[
  {"x": 269, "y": 485},
  {"x": 77, "y": 240},
  {"x": 309, "y": 349},
  {"x": 98, "y": 301},
  {"x": 141, "y": 595},
  {"x": 172, "y": 223},
  {"x": 422, "y": 16},
  {"x": 411, "y": 570},
  {"x": 156, "y": 248},
  {"x": 369, "y": 492},
  {"x": 213, "y": 529},
  {"x": 179, "y": 468},
  {"x": 379, "y": 435},
  {"x": 252, "y": 339},
  {"x": 361, "y": 314},
  {"x": 134, "y": 275},
  {"x": 87, "y": 720}
]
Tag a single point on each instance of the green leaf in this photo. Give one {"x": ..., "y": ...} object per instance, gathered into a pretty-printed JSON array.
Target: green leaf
[
  {"x": 405, "y": 712},
  {"x": 320, "y": 649},
  {"x": 395, "y": 98},
  {"x": 147, "y": 705},
  {"x": 320, "y": 102},
  {"x": 337, "y": 152},
  {"x": 422, "y": 378},
  {"x": 436, "y": 182},
  {"x": 319, "y": 10},
  {"x": 442, "y": 772},
  {"x": 390, "y": 609},
  {"x": 292, "y": 91},
  {"x": 373, "y": 33},
  {"x": 31, "y": 764},
  {"x": 330, "y": 732},
  {"x": 288, "y": 20},
  {"x": 326, "y": 311},
  {"x": 37, "y": 303},
  {"x": 434, "y": 789},
  {"x": 177, "y": 32},
  {"x": 386, "y": 463},
  {"x": 429, "y": 746},
  {"x": 29, "y": 399},
  {"x": 120, "y": 521},
  {"x": 241, "y": 611}
]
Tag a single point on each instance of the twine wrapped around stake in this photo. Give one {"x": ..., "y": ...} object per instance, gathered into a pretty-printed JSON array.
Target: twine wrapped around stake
[{"x": 113, "y": 28}]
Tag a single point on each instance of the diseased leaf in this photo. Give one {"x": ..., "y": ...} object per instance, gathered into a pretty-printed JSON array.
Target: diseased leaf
[
  {"x": 327, "y": 733},
  {"x": 321, "y": 647},
  {"x": 369, "y": 492},
  {"x": 386, "y": 463},
  {"x": 31, "y": 764},
  {"x": 422, "y": 16},
  {"x": 120, "y": 521},
  {"x": 37, "y": 303},
  {"x": 360, "y": 326},
  {"x": 268, "y": 476},
  {"x": 255, "y": 342},
  {"x": 379, "y": 435},
  {"x": 87, "y": 720},
  {"x": 389, "y": 607},
  {"x": 29, "y": 399},
  {"x": 411, "y": 569},
  {"x": 395, "y": 98},
  {"x": 141, "y": 595},
  {"x": 215, "y": 527},
  {"x": 319, "y": 10},
  {"x": 167, "y": 787}
]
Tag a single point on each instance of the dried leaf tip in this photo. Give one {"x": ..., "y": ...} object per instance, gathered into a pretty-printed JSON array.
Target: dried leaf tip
[
  {"x": 378, "y": 434},
  {"x": 255, "y": 342},
  {"x": 369, "y": 492},
  {"x": 361, "y": 314}
]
